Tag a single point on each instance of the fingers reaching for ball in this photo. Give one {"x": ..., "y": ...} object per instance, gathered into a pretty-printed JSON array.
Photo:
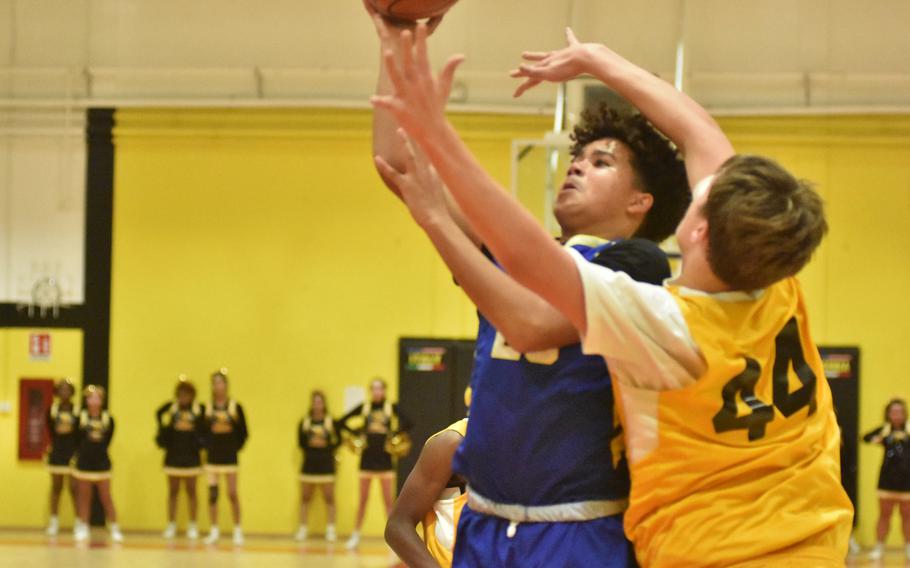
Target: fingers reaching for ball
[
  {"x": 419, "y": 97},
  {"x": 553, "y": 66}
]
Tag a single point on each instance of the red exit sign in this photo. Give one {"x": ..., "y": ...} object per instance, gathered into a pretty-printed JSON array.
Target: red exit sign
[{"x": 39, "y": 346}]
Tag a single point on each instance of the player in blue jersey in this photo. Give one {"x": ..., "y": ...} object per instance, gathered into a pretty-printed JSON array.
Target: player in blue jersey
[{"x": 548, "y": 479}]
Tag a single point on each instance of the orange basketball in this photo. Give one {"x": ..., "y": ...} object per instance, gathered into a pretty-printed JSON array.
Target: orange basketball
[{"x": 411, "y": 9}]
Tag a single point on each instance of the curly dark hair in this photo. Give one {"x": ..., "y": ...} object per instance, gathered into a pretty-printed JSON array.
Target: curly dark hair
[{"x": 658, "y": 166}]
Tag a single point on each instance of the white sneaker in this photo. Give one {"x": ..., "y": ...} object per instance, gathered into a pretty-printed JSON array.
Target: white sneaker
[
  {"x": 192, "y": 532},
  {"x": 354, "y": 541},
  {"x": 907, "y": 550},
  {"x": 53, "y": 526},
  {"x": 170, "y": 531},
  {"x": 330, "y": 535},
  {"x": 238, "y": 536},
  {"x": 877, "y": 552},
  {"x": 80, "y": 531},
  {"x": 853, "y": 547},
  {"x": 301, "y": 533},
  {"x": 116, "y": 535},
  {"x": 214, "y": 534}
]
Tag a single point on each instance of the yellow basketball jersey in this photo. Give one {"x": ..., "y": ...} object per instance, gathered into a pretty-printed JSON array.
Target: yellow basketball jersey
[
  {"x": 440, "y": 524},
  {"x": 746, "y": 463}
]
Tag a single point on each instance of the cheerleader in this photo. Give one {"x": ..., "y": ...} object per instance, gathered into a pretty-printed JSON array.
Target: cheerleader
[
  {"x": 62, "y": 424},
  {"x": 894, "y": 477},
  {"x": 317, "y": 437},
  {"x": 181, "y": 424},
  {"x": 93, "y": 465},
  {"x": 226, "y": 433},
  {"x": 378, "y": 416}
]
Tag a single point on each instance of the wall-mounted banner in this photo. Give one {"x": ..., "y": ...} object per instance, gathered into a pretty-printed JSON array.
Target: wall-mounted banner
[
  {"x": 35, "y": 398},
  {"x": 39, "y": 346},
  {"x": 840, "y": 362},
  {"x": 426, "y": 359}
]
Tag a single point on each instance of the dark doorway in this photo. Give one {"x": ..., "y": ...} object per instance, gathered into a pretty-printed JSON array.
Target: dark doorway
[{"x": 432, "y": 377}]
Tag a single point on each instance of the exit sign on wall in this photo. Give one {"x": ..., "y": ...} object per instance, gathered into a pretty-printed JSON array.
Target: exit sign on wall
[{"x": 39, "y": 346}]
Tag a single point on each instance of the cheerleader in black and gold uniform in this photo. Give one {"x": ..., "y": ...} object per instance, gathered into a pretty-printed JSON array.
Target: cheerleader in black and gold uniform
[
  {"x": 379, "y": 417},
  {"x": 894, "y": 477},
  {"x": 181, "y": 425},
  {"x": 93, "y": 465},
  {"x": 62, "y": 424},
  {"x": 225, "y": 434},
  {"x": 317, "y": 437}
]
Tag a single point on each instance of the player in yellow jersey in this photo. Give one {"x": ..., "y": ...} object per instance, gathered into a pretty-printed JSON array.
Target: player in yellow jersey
[
  {"x": 432, "y": 496},
  {"x": 733, "y": 445}
]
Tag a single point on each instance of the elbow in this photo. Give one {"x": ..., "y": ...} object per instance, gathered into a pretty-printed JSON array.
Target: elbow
[
  {"x": 394, "y": 530},
  {"x": 520, "y": 342},
  {"x": 389, "y": 534},
  {"x": 538, "y": 332},
  {"x": 531, "y": 345},
  {"x": 526, "y": 335}
]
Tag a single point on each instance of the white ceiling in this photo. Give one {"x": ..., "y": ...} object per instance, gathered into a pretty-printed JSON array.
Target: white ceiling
[{"x": 739, "y": 53}]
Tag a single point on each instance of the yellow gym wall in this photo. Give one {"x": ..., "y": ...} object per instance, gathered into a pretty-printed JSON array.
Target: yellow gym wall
[
  {"x": 25, "y": 486},
  {"x": 856, "y": 286},
  {"x": 263, "y": 241}
]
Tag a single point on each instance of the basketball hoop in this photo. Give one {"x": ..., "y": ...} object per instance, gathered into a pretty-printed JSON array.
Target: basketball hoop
[{"x": 46, "y": 297}]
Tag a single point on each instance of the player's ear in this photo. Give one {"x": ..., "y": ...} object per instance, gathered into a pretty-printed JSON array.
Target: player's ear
[
  {"x": 640, "y": 203},
  {"x": 699, "y": 231}
]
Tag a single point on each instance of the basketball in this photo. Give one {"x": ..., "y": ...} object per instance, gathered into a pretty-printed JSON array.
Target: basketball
[{"x": 411, "y": 9}]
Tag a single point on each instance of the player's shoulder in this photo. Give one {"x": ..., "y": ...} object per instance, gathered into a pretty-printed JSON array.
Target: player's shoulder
[
  {"x": 460, "y": 427},
  {"x": 634, "y": 245},
  {"x": 641, "y": 259}
]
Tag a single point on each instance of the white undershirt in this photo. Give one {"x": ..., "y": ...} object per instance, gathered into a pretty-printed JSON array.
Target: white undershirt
[{"x": 638, "y": 329}]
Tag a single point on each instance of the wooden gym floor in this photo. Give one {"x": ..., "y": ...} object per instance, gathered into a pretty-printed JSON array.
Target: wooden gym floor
[{"x": 30, "y": 548}]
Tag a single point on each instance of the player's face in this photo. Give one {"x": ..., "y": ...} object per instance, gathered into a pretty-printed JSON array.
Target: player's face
[
  {"x": 219, "y": 387},
  {"x": 318, "y": 404},
  {"x": 693, "y": 227},
  {"x": 897, "y": 414},
  {"x": 599, "y": 190},
  {"x": 377, "y": 391}
]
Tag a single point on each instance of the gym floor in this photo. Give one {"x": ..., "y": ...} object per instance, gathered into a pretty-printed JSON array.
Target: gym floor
[{"x": 27, "y": 548}]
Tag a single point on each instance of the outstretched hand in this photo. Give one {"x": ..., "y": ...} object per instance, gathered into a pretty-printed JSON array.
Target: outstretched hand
[
  {"x": 419, "y": 185},
  {"x": 554, "y": 66},
  {"x": 418, "y": 103}
]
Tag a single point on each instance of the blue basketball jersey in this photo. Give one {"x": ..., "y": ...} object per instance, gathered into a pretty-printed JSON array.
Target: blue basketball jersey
[{"x": 543, "y": 428}]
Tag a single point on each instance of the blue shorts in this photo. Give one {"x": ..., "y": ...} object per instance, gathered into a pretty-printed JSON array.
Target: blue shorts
[{"x": 482, "y": 542}]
